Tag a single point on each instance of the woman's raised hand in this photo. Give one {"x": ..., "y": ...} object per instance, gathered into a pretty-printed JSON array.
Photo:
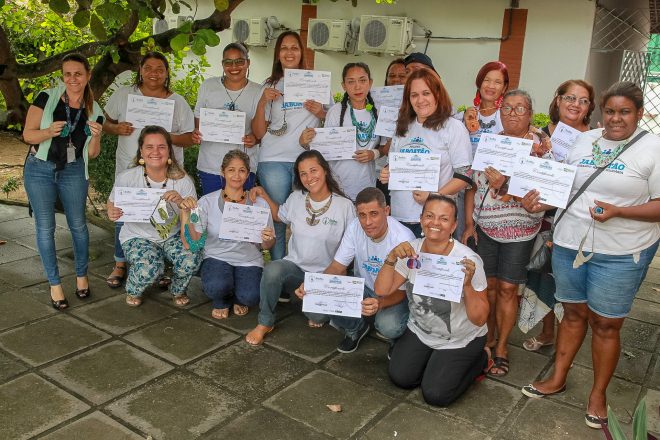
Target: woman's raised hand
[
  {"x": 402, "y": 250},
  {"x": 188, "y": 203},
  {"x": 270, "y": 94},
  {"x": 384, "y": 175}
]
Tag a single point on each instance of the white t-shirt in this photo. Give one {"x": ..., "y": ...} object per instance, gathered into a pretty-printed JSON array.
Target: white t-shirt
[
  {"x": 236, "y": 253},
  {"x": 632, "y": 179},
  {"x": 487, "y": 124},
  {"x": 213, "y": 94},
  {"x": 285, "y": 148},
  {"x": 134, "y": 178},
  {"x": 312, "y": 247},
  {"x": 368, "y": 255},
  {"x": 452, "y": 142},
  {"x": 438, "y": 323},
  {"x": 127, "y": 146},
  {"x": 352, "y": 175}
]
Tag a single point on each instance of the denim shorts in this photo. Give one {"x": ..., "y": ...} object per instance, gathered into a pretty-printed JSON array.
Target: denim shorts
[
  {"x": 606, "y": 283},
  {"x": 505, "y": 261}
]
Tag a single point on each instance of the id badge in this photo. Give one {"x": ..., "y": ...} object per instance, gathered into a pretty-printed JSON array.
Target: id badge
[{"x": 70, "y": 154}]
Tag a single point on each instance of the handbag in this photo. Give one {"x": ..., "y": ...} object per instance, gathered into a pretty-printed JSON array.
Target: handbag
[{"x": 542, "y": 258}]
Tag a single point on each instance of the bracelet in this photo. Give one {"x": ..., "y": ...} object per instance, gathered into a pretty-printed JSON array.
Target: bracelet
[
  {"x": 389, "y": 263},
  {"x": 305, "y": 146},
  {"x": 376, "y": 153}
]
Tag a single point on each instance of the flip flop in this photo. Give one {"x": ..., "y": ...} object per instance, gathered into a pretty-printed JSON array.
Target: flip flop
[
  {"x": 262, "y": 337},
  {"x": 531, "y": 391},
  {"x": 533, "y": 344},
  {"x": 240, "y": 310}
]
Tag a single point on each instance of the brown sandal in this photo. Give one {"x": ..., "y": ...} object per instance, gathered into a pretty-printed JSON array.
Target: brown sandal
[
  {"x": 133, "y": 301},
  {"x": 220, "y": 313},
  {"x": 181, "y": 300},
  {"x": 115, "y": 281},
  {"x": 240, "y": 310}
]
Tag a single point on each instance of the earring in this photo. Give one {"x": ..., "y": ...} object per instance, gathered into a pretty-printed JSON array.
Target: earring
[
  {"x": 422, "y": 233},
  {"x": 169, "y": 161},
  {"x": 451, "y": 239},
  {"x": 141, "y": 161}
]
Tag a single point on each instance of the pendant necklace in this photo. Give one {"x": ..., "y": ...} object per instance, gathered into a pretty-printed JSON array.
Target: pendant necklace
[
  {"x": 232, "y": 104},
  {"x": 277, "y": 131},
  {"x": 604, "y": 158},
  {"x": 314, "y": 213},
  {"x": 368, "y": 130}
]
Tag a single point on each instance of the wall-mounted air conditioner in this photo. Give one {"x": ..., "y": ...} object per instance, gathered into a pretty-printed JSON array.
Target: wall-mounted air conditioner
[
  {"x": 379, "y": 34},
  {"x": 327, "y": 34},
  {"x": 250, "y": 31}
]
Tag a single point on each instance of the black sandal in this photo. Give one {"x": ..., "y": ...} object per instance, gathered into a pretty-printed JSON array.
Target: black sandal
[
  {"x": 83, "y": 293},
  {"x": 115, "y": 281},
  {"x": 59, "y": 304},
  {"x": 501, "y": 364}
]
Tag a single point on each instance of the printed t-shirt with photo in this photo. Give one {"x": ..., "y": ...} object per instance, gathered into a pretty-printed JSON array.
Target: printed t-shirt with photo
[
  {"x": 451, "y": 141},
  {"x": 312, "y": 247},
  {"x": 213, "y": 94}
]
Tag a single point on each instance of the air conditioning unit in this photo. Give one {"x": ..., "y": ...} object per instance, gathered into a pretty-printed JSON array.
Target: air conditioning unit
[
  {"x": 327, "y": 34},
  {"x": 250, "y": 31},
  {"x": 171, "y": 22},
  {"x": 380, "y": 34}
]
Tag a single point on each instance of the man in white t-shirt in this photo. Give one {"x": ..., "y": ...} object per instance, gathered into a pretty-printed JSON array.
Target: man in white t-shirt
[{"x": 366, "y": 242}]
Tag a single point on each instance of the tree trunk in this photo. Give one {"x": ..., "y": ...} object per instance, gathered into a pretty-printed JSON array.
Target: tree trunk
[{"x": 10, "y": 88}]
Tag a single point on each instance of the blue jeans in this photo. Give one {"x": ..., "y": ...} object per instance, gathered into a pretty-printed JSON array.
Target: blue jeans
[
  {"x": 280, "y": 276},
  {"x": 606, "y": 283},
  {"x": 213, "y": 182},
  {"x": 277, "y": 180},
  {"x": 220, "y": 280},
  {"x": 119, "y": 252},
  {"x": 389, "y": 322},
  {"x": 43, "y": 185}
]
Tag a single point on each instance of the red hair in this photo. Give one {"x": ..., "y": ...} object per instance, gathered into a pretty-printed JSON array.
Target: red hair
[
  {"x": 407, "y": 114},
  {"x": 481, "y": 75}
]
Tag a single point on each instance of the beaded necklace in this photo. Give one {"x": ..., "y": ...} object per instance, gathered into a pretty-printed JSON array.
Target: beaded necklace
[
  {"x": 314, "y": 213},
  {"x": 229, "y": 199},
  {"x": 604, "y": 158},
  {"x": 368, "y": 131}
]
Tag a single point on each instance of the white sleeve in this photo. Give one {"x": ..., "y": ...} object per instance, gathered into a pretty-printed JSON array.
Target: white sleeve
[
  {"x": 460, "y": 148},
  {"x": 332, "y": 117},
  {"x": 113, "y": 108},
  {"x": 283, "y": 212},
  {"x": 187, "y": 187},
  {"x": 184, "y": 120},
  {"x": 201, "y": 98},
  {"x": 346, "y": 252}
]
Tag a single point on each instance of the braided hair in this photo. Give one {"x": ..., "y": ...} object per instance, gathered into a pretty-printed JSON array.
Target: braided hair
[{"x": 345, "y": 98}]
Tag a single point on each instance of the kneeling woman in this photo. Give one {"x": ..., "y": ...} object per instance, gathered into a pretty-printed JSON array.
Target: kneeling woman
[
  {"x": 229, "y": 265},
  {"x": 443, "y": 348},
  {"x": 317, "y": 212},
  {"x": 148, "y": 245}
]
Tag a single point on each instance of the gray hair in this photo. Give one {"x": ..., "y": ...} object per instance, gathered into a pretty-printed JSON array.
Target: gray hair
[{"x": 524, "y": 94}]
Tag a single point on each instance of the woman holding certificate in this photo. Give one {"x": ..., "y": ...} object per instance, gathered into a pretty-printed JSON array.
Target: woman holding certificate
[
  {"x": 572, "y": 104},
  {"x": 604, "y": 242},
  {"x": 149, "y": 242},
  {"x": 425, "y": 127},
  {"x": 63, "y": 128},
  {"x": 153, "y": 81},
  {"x": 318, "y": 213},
  {"x": 503, "y": 230},
  {"x": 442, "y": 349},
  {"x": 229, "y": 266},
  {"x": 278, "y": 124},
  {"x": 233, "y": 92},
  {"x": 353, "y": 175}
]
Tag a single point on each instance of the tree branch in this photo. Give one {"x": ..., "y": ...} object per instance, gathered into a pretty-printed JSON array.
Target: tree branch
[{"x": 10, "y": 88}]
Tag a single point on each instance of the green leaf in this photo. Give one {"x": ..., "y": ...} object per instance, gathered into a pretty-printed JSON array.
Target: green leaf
[
  {"x": 96, "y": 26},
  {"x": 179, "y": 42},
  {"x": 2, "y": 3},
  {"x": 115, "y": 56},
  {"x": 209, "y": 37},
  {"x": 186, "y": 27},
  {"x": 81, "y": 18},
  {"x": 187, "y": 5},
  {"x": 613, "y": 425},
  {"x": 198, "y": 46},
  {"x": 176, "y": 8},
  {"x": 162, "y": 6},
  {"x": 59, "y": 6},
  {"x": 221, "y": 5},
  {"x": 639, "y": 421}
]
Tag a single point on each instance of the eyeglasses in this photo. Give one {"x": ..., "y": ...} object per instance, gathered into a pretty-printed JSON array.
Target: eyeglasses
[
  {"x": 238, "y": 62},
  {"x": 508, "y": 110},
  {"x": 572, "y": 99}
]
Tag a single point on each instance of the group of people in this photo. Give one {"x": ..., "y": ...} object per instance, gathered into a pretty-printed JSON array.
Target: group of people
[{"x": 343, "y": 219}]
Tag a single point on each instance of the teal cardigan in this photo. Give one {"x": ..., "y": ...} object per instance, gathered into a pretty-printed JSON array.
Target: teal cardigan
[{"x": 54, "y": 96}]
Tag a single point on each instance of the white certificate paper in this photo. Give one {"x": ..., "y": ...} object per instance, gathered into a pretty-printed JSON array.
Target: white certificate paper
[
  {"x": 553, "y": 180},
  {"x": 243, "y": 222},
  {"x": 386, "y": 124},
  {"x": 301, "y": 85},
  {"x": 220, "y": 125},
  {"x": 137, "y": 204},
  {"x": 499, "y": 152},
  {"x": 439, "y": 277},
  {"x": 144, "y": 110},
  {"x": 414, "y": 172},
  {"x": 333, "y": 295},
  {"x": 334, "y": 143},
  {"x": 563, "y": 139},
  {"x": 388, "y": 96}
]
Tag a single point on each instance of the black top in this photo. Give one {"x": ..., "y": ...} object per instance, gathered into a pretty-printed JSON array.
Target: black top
[{"x": 57, "y": 152}]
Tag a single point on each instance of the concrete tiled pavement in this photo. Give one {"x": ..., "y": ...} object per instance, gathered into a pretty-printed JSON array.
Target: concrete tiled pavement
[{"x": 103, "y": 370}]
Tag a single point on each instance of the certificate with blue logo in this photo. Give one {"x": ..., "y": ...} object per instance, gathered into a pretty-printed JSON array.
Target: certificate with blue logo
[
  {"x": 439, "y": 276},
  {"x": 145, "y": 110},
  {"x": 220, "y": 125},
  {"x": 137, "y": 204},
  {"x": 499, "y": 152},
  {"x": 414, "y": 172},
  {"x": 243, "y": 222},
  {"x": 335, "y": 143},
  {"x": 333, "y": 295},
  {"x": 553, "y": 180},
  {"x": 388, "y": 96},
  {"x": 302, "y": 85}
]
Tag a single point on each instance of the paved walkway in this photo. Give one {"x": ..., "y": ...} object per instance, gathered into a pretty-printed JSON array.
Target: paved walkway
[{"x": 105, "y": 371}]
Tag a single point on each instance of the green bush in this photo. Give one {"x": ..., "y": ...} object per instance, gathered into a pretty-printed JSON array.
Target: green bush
[{"x": 102, "y": 169}]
